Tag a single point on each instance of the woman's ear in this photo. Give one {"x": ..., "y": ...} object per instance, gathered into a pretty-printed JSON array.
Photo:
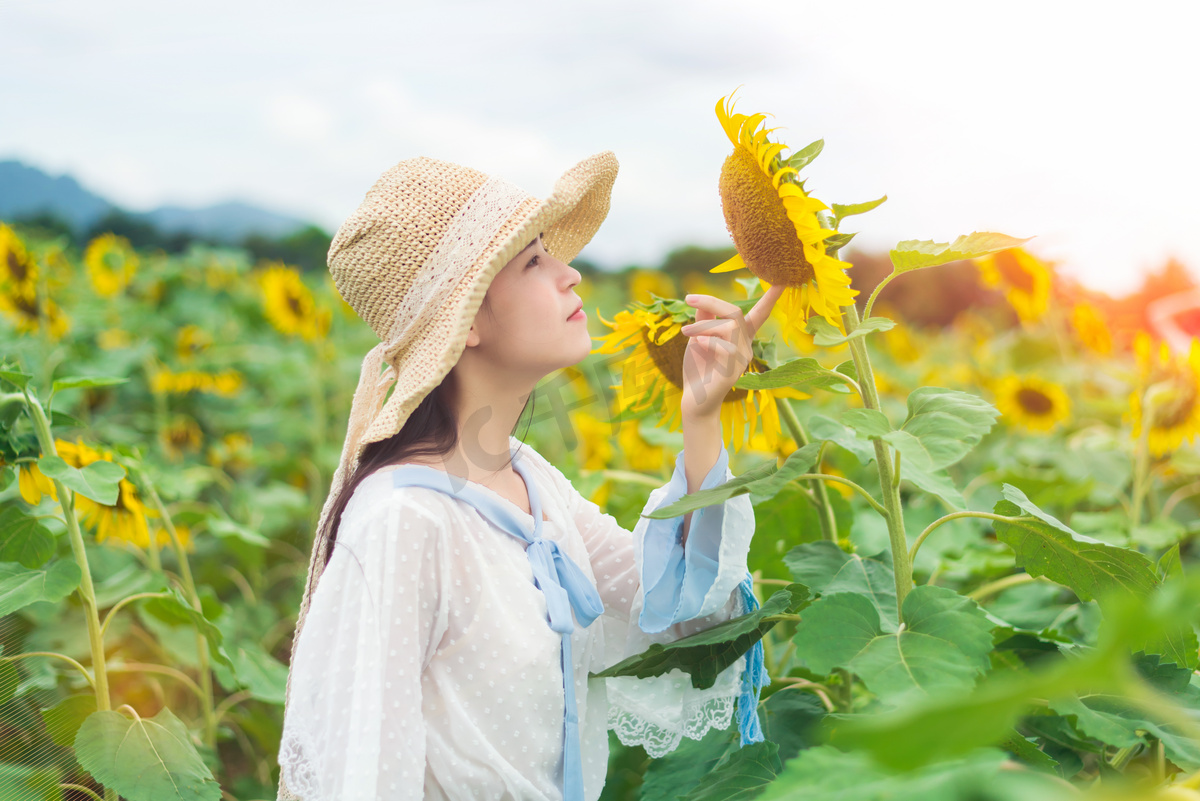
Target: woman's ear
[{"x": 472, "y": 337}]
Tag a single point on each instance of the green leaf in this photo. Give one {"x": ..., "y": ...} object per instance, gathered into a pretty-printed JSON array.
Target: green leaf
[
  {"x": 61, "y": 420},
  {"x": 841, "y": 212},
  {"x": 176, "y": 610},
  {"x": 225, "y": 528},
  {"x": 848, "y": 368},
  {"x": 741, "y": 775},
  {"x": 64, "y": 718},
  {"x": 825, "y": 428},
  {"x": 804, "y": 372},
  {"x": 21, "y": 586},
  {"x": 147, "y": 759},
  {"x": 942, "y": 647},
  {"x": 16, "y": 377},
  {"x": 99, "y": 480},
  {"x": 805, "y": 155},
  {"x": 867, "y": 423},
  {"x": 705, "y": 654},
  {"x": 1169, "y": 565},
  {"x": 947, "y": 423},
  {"x": 764, "y": 481},
  {"x": 10, "y": 679},
  {"x": 838, "y": 241},
  {"x": 826, "y": 336},
  {"x": 913, "y": 254},
  {"x": 264, "y": 676},
  {"x": 24, "y": 539},
  {"x": 935, "y": 482},
  {"x": 1028, "y": 752},
  {"x": 825, "y": 568},
  {"x": 678, "y": 772},
  {"x": 80, "y": 381}
]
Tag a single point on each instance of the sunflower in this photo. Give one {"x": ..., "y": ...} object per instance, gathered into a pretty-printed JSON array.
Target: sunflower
[
  {"x": 125, "y": 520},
  {"x": 289, "y": 304},
  {"x": 1168, "y": 395},
  {"x": 113, "y": 339},
  {"x": 1031, "y": 403},
  {"x": 595, "y": 435},
  {"x": 18, "y": 270},
  {"x": 182, "y": 436},
  {"x": 643, "y": 284},
  {"x": 33, "y": 484},
  {"x": 1024, "y": 279},
  {"x": 640, "y": 454},
  {"x": 1092, "y": 330},
  {"x": 774, "y": 226},
  {"x": 652, "y": 374},
  {"x": 33, "y": 314},
  {"x": 190, "y": 340},
  {"x": 111, "y": 263},
  {"x": 224, "y": 383},
  {"x": 231, "y": 453}
]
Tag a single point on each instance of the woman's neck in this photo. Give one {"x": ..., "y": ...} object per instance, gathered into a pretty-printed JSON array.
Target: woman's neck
[{"x": 486, "y": 407}]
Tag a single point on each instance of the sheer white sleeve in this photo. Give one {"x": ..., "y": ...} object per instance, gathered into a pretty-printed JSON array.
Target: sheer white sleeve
[
  {"x": 659, "y": 589},
  {"x": 354, "y": 729}
]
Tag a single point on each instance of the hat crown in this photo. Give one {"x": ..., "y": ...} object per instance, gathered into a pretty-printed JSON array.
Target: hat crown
[{"x": 378, "y": 252}]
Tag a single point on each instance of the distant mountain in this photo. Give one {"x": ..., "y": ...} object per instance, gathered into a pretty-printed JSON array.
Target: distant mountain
[{"x": 26, "y": 191}]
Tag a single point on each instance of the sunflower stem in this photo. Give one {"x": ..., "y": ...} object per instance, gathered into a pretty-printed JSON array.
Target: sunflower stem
[
  {"x": 87, "y": 592},
  {"x": 901, "y": 564},
  {"x": 828, "y": 521},
  {"x": 875, "y": 293},
  {"x": 206, "y": 686},
  {"x": 1140, "y": 467}
]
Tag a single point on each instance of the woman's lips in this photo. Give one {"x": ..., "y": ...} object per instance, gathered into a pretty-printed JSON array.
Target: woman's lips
[{"x": 579, "y": 314}]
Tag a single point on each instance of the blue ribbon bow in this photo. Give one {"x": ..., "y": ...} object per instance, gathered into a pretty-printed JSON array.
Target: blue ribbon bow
[{"x": 562, "y": 582}]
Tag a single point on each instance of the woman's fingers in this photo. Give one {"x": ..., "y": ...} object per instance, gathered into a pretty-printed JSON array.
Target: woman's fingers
[{"x": 758, "y": 315}]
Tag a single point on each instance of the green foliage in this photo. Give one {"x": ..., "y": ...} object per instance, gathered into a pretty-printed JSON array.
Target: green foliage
[
  {"x": 825, "y": 568},
  {"x": 764, "y": 481},
  {"x": 144, "y": 759},
  {"x": 23, "y": 539},
  {"x": 99, "y": 480},
  {"x": 913, "y": 254},
  {"x": 21, "y": 586},
  {"x": 827, "y": 336},
  {"x": 805, "y": 372}
]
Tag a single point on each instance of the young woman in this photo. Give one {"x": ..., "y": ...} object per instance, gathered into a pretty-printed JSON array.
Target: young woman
[{"x": 466, "y": 589}]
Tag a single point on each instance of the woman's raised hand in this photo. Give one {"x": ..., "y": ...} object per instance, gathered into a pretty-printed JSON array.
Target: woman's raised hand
[{"x": 719, "y": 350}]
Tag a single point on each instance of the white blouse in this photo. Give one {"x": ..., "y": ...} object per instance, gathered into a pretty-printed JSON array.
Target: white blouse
[{"x": 426, "y": 668}]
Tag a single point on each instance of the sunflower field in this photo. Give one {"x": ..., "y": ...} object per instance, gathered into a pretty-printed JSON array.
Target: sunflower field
[{"x": 974, "y": 551}]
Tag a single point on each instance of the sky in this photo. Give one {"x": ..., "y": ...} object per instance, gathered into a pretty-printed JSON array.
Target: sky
[{"x": 1071, "y": 122}]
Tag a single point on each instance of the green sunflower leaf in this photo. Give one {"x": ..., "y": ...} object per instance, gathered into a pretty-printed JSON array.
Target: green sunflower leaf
[
  {"x": 24, "y": 539},
  {"x": 826, "y": 336},
  {"x": 20, "y": 586},
  {"x": 82, "y": 381},
  {"x": 705, "y": 654},
  {"x": 868, "y": 423},
  {"x": 914, "y": 254},
  {"x": 821, "y": 427},
  {"x": 805, "y": 155},
  {"x": 764, "y": 481},
  {"x": 741, "y": 775},
  {"x": 30, "y": 784},
  {"x": 16, "y": 377},
  {"x": 825, "y": 568},
  {"x": 144, "y": 759},
  {"x": 99, "y": 480},
  {"x": 841, "y": 212},
  {"x": 1169, "y": 565},
  {"x": 10, "y": 679},
  {"x": 946, "y": 425},
  {"x": 838, "y": 241},
  {"x": 803, "y": 372},
  {"x": 1114, "y": 719},
  {"x": 175, "y": 610},
  {"x": 942, "y": 647},
  {"x": 64, "y": 718}
]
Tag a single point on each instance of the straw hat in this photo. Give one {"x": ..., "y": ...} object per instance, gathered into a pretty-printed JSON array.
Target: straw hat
[{"x": 414, "y": 261}]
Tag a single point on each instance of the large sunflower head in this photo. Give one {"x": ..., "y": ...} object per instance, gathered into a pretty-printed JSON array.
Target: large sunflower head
[
  {"x": 289, "y": 303},
  {"x": 125, "y": 520},
  {"x": 1167, "y": 398},
  {"x": 1031, "y": 403},
  {"x": 18, "y": 270},
  {"x": 652, "y": 373},
  {"x": 111, "y": 263},
  {"x": 774, "y": 225},
  {"x": 1024, "y": 279}
]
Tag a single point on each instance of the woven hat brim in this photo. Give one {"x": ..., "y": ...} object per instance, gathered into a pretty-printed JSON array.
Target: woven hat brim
[{"x": 567, "y": 220}]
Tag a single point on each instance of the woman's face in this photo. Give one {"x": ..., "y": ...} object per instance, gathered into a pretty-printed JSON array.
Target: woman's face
[{"x": 532, "y": 322}]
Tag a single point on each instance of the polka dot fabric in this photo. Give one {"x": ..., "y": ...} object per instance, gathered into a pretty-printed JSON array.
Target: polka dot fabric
[{"x": 426, "y": 668}]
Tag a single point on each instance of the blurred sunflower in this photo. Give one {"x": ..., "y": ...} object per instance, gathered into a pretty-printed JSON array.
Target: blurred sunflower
[
  {"x": 231, "y": 452},
  {"x": 1024, "y": 280},
  {"x": 774, "y": 226},
  {"x": 125, "y": 520},
  {"x": 1167, "y": 395},
  {"x": 182, "y": 436},
  {"x": 652, "y": 374},
  {"x": 191, "y": 340},
  {"x": 33, "y": 484},
  {"x": 1091, "y": 329},
  {"x": 289, "y": 305},
  {"x": 113, "y": 339},
  {"x": 30, "y": 315},
  {"x": 1031, "y": 403},
  {"x": 595, "y": 438},
  {"x": 111, "y": 263},
  {"x": 644, "y": 283},
  {"x": 640, "y": 454},
  {"x": 224, "y": 383},
  {"x": 18, "y": 270}
]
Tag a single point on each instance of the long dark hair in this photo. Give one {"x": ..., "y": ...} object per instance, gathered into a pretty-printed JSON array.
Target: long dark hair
[{"x": 431, "y": 430}]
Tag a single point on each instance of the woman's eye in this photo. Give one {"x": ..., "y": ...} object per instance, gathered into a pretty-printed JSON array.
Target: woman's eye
[{"x": 533, "y": 262}]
